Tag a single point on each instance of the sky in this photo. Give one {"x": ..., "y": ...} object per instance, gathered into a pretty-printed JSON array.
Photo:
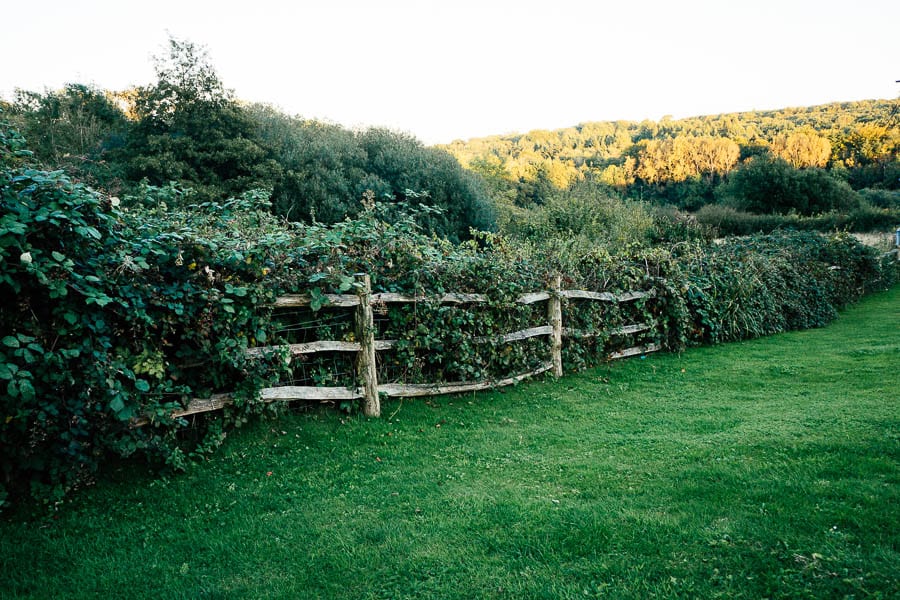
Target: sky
[{"x": 457, "y": 69}]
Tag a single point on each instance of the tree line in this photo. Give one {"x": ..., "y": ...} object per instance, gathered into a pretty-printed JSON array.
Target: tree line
[
  {"x": 188, "y": 135},
  {"x": 849, "y": 146},
  {"x": 187, "y": 130}
]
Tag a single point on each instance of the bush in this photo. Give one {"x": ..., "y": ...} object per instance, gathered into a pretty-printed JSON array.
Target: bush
[
  {"x": 748, "y": 287},
  {"x": 765, "y": 185},
  {"x": 594, "y": 222},
  {"x": 118, "y": 315},
  {"x": 881, "y": 198},
  {"x": 729, "y": 221}
]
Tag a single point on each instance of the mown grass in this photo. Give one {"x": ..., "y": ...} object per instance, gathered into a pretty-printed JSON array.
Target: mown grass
[{"x": 760, "y": 469}]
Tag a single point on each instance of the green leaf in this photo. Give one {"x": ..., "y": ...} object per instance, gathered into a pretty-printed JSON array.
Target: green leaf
[
  {"x": 11, "y": 342},
  {"x": 58, "y": 257},
  {"x": 26, "y": 389},
  {"x": 88, "y": 231},
  {"x": 317, "y": 299},
  {"x": 141, "y": 385},
  {"x": 117, "y": 404},
  {"x": 100, "y": 300},
  {"x": 7, "y": 370}
]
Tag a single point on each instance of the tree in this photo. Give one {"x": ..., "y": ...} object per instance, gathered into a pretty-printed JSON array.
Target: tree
[
  {"x": 802, "y": 149},
  {"x": 192, "y": 131},
  {"x": 684, "y": 158},
  {"x": 767, "y": 185}
]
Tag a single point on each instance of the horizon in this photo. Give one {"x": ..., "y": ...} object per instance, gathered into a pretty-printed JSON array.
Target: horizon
[{"x": 669, "y": 116}]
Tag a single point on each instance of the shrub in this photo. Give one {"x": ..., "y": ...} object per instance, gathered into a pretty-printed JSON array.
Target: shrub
[
  {"x": 881, "y": 198},
  {"x": 748, "y": 287},
  {"x": 117, "y": 315},
  {"x": 766, "y": 185},
  {"x": 585, "y": 217},
  {"x": 729, "y": 221}
]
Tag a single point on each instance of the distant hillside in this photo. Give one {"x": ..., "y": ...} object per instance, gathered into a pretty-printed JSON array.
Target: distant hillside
[{"x": 681, "y": 161}]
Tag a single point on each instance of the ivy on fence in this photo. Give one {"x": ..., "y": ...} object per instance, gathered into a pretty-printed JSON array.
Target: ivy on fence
[{"x": 366, "y": 386}]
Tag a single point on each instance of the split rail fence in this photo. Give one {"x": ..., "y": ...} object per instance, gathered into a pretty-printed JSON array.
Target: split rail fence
[{"x": 369, "y": 391}]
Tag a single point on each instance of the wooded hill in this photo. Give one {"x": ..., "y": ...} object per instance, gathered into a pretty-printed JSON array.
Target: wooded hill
[{"x": 682, "y": 161}]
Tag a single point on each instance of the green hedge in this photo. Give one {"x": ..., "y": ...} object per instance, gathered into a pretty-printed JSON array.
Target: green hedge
[{"x": 729, "y": 221}]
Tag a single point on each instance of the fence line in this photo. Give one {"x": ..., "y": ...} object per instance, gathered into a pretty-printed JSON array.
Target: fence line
[
  {"x": 370, "y": 391},
  {"x": 351, "y": 300}
]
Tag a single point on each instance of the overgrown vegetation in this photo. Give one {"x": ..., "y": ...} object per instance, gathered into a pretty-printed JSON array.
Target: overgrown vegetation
[
  {"x": 825, "y": 167},
  {"x": 837, "y": 162},
  {"x": 187, "y": 128},
  {"x": 124, "y": 313},
  {"x": 763, "y": 469}
]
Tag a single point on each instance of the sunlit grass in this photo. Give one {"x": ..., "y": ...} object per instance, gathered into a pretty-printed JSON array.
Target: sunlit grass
[{"x": 761, "y": 469}]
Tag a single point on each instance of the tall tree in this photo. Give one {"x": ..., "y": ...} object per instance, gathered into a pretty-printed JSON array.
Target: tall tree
[
  {"x": 192, "y": 131},
  {"x": 802, "y": 149}
]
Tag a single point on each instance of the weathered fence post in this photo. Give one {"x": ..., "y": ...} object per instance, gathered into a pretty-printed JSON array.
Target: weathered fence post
[
  {"x": 365, "y": 333},
  {"x": 554, "y": 314}
]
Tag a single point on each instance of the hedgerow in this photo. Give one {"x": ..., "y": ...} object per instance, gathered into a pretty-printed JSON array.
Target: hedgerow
[
  {"x": 729, "y": 221},
  {"x": 115, "y": 314}
]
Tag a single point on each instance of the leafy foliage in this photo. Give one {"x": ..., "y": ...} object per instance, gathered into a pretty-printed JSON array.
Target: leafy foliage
[
  {"x": 325, "y": 169},
  {"x": 117, "y": 315},
  {"x": 77, "y": 128},
  {"x": 124, "y": 313},
  {"x": 190, "y": 130},
  {"x": 730, "y": 221},
  {"x": 763, "y": 185},
  {"x": 681, "y": 162},
  {"x": 750, "y": 287}
]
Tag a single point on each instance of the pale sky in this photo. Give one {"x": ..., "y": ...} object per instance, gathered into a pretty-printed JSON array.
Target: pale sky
[{"x": 457, "y": 69}]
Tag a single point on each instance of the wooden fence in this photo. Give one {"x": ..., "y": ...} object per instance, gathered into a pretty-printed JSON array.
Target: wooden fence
[{"x": 369, "y": 391}]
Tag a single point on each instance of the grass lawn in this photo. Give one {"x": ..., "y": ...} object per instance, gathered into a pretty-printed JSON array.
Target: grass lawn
[{"x": 758, "y": 469}]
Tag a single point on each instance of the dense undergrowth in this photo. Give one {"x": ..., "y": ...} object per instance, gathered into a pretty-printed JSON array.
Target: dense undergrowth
[{"x": 121, "y": 309}]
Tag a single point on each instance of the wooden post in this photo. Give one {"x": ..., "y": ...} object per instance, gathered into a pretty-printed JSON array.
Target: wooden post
[
  {"x": 365, "y": 334},
  {"x": 554, "y": 314}
]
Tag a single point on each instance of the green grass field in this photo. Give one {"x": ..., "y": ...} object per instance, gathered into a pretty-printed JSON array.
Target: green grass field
[{"x": 752, "y": 470}]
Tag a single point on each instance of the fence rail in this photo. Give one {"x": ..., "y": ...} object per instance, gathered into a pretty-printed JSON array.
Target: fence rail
[
  {"x": 369, "y": 390},
  {"x": 351, "y": 300}
]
